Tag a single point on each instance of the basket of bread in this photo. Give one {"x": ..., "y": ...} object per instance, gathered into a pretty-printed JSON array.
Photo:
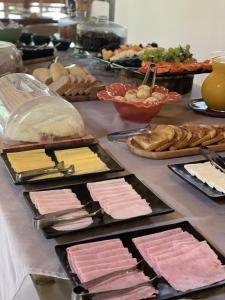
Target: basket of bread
[
  {"x": 73, "y": 82},
  {"x": 168, "y": 141},
  {"x": 137, "y": 103}
]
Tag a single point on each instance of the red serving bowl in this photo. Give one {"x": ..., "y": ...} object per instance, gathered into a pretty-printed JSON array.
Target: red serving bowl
[{"x": 138, "y": 112}]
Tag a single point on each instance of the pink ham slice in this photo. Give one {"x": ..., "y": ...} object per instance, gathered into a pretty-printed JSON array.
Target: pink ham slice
[
  {"x": 158, "y": 235},
  {"x": 119, "y": 199},
  {"x": 98, "y": 248},
  {"x": 97, "y": 273},
  {"x": 93, "y": 260},
  {"x": 90, "y": 257},
  {"x": 104, "y": 266},
  {"x": 108, "y": 182},
  {"x": 120, "y": 281},
  {"x": 196, "y": 268},
  {"x": 57, "y": 200},
  {"x": 98, "y": 261},
  {"x": 129, "y": 211},
  {"x": 74, "y": 225},
  {"x": 94, "y": 244}
]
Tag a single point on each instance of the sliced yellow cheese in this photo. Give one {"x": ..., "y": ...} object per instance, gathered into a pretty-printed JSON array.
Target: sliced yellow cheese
[
  {"x": 84, "y": 160},
  {"x": 26, "y": 153},
  {"x": 29, "y": 160}
]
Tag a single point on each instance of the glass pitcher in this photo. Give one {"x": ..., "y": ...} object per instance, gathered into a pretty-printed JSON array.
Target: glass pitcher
[{"x": 213, "y": 87}]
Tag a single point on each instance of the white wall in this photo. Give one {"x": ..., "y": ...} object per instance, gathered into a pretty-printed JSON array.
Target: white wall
[{"x": 200, "y": 23}]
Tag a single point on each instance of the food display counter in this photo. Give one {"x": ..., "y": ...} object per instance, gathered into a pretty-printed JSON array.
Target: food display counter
[{"x": 25, "y": 250}]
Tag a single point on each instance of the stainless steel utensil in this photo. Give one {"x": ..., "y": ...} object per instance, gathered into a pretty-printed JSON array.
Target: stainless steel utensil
[
  {"x": 153, "y": 76},
  {"x": 119, "y": 292},
  {"x": 61, "y": 212},
  {"x": 105, "y": 277},
  {"x": 150, "y": 68},
  {"x": 125, "y": 134},
  {"x": 26, "y": 175},
  {"x": 47, "y": 222},
  {"x": 215, "y": 159}
]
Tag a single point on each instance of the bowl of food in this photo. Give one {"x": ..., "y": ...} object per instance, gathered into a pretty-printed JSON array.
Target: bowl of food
[{"x": 137, "y": 104}]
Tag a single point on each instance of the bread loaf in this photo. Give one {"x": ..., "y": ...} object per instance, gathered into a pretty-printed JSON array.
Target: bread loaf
[
  {"x": 57, "y": 70},
  {"x": 61, "y": 85},
  {"x": 43, "y": 74}
]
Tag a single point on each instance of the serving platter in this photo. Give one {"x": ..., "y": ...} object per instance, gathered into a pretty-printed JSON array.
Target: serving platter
[
  {"x": 83, "y": 194},
  {"x": 166, "y": 292},
  {"x": 136, "y": 149},
  {"x": 178, "y": 82},
  {"x": 70, "y": 141},
  {"x": 96, "y": 148},
  {"x": 213, "y": 194}
]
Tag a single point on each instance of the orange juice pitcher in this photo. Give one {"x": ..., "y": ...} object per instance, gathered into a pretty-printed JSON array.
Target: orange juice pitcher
[{"x": 213, "y": 87}]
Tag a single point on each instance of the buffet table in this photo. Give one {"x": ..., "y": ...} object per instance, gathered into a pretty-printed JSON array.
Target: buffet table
[{"x": 24, "y": 250}]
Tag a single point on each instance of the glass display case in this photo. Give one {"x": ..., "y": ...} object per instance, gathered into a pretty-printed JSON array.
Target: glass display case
[
  {"x": 101, "y": 33},
  {"x": 31, "y": 112}
]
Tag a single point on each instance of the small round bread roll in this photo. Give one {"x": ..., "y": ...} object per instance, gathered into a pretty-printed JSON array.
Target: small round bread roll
[
  {"x": 158, "y": 96},
  {"x": 151, "y": 100},
  {"x": 131, "y": 95},
  {"x": 119, "y": 98},
  {"x": 144, "y": 92}
]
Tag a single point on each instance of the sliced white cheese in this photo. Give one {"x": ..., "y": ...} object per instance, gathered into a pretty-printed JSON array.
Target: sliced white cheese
[{"x": 208, "y": 174}]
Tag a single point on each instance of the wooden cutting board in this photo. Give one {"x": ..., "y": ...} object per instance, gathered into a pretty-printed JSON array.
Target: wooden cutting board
[
  {"x": 136, "y": 149},
  {"x": 81, "y": 98},
  {"x": 86, "y": 140}
]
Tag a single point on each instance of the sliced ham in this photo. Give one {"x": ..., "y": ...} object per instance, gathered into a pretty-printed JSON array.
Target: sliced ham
[
  {"x": 119, "y": 199},
  {"x": 58, "y": 200},
  {"x": 98, "y": 261},
  {"x": 181, "y": 259},
  {"x": 120, "y": 281},
  {"x": 107, "y": 265},
  {"x": 196, "y": 268},
  {"x": 98, "y": 249},
  {"x": 157, "y": 235},
  {"x": 74, "y": 225},
  {"x": 102, "y": 260},
  {"x": 129, "y": 211},
  {"x": 108, "y": 182},
  {"x": 87, "y": 276},
  {"x": 92, "y": 256}
]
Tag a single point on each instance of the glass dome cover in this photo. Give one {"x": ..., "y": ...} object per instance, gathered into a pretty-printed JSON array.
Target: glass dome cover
[
  {"x": 99, "y": 33},
  {"x": 31, "y": 112}
]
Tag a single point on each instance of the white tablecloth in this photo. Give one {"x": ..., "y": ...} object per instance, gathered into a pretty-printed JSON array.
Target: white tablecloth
[{"x": 24, "y": 250}]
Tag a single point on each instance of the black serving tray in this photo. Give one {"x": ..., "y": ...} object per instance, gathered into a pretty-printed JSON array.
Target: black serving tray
[
  {"x": 158, "y": 207},
  {"x": 165, "y": 290},
  {"x": 103, "y": 155},
  {"x": 35, "y": 52},
  {"x": 179, "y": 170}
]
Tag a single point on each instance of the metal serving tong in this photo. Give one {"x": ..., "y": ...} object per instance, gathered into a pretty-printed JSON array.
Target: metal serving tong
[
  {"x": 125, "y": 134},
  {"x": 94, "y": 282},
  {"x": 41, "y": 223},
  {"x": 215, "y": 159},
  {"x": 26, "y": 175},
  {"x": 151, "y": 68},
  {"x": 118, "y": 292}
]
